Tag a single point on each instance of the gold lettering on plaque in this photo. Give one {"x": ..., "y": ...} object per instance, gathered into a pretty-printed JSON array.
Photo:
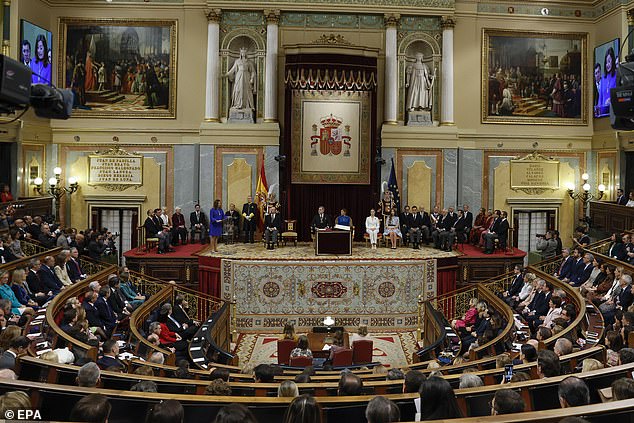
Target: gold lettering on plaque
[
  {"x": 534, "y": 174},
  {"x": 115, "y": 169}
]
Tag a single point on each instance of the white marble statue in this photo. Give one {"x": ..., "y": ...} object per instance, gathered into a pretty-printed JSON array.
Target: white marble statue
[
  {"x": 419, "y": 82},
  {"x": 243, "y": 73}
]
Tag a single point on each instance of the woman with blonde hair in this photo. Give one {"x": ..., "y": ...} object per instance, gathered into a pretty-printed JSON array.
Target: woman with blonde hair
[
  {"x": 289, "y": 332},
  {"x": 288, "y": 388},
  {"x": 590, "y": 364},
  {"x": 361, "y": 335},
  {"x": 14, "y": 400},
  {"x": 8, "y": 335},
  {"x": 20, "y": 290},
  {"x": 60, "y": 269}
]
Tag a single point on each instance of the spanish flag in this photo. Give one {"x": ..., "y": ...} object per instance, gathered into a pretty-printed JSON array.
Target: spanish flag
[{"x": 261, "y": 194}]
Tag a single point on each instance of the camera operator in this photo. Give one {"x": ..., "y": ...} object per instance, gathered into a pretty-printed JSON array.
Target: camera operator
[
  {"x": 547, "y": 245},
  {"x": 96, "y": 246},
  {"x": 109, "y": 242}
]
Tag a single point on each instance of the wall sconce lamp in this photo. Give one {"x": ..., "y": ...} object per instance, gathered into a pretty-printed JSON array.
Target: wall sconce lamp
[{"x": 56, "y": 189}]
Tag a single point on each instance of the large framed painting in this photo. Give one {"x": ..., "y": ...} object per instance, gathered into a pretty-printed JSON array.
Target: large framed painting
[
  {"x": 533, "y": 77},
  {"x": 331, "y": 137},
  {"x": 119, "y": 68}
]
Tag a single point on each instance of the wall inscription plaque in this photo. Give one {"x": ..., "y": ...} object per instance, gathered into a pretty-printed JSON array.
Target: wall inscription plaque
[
  {"x": 534, "y": 174},
  {"x": 115, "y": 169}
]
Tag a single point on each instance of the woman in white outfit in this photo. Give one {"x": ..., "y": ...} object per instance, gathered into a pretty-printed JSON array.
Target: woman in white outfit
[{"x": 372, "y": 225}]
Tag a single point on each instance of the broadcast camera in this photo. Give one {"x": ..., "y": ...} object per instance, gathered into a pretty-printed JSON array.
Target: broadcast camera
[{"x": 18, "y": 93}]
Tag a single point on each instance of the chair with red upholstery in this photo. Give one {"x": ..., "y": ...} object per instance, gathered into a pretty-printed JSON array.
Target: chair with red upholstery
[
  {"x": 284, "y": 348},
  {"x": 342, "y": 357},
  {"x": 362, "y": 351},
  {"x": 301, "y": 361}
]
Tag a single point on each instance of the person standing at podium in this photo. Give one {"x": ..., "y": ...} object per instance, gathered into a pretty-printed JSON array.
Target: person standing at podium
[{"x": 321, "y": 220}]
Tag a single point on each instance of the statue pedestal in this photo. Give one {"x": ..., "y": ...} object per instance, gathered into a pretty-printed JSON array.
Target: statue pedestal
[
  {"x": 419, "y": 118},
  {"x": 240, "y": 115}
]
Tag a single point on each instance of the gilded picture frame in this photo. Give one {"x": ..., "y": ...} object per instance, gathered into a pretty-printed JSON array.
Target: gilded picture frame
[
  {"x": 331, "y": 137},
  {"x": 132, "y": 62},
  {"x": 534, "y": 77}
]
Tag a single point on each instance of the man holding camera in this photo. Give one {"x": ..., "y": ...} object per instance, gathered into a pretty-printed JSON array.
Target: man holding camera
[{"x": 547, "y": 245}]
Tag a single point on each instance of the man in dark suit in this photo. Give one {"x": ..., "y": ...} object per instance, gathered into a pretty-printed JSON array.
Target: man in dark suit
[
  {"x": 92, "y": 314},
  {"x": 116, "y": 299},
  {"x": 180, "y": 310},
  {"x": 250, "y": 219},
  {"x": 405, "y": 223},
  {"x": 185, "y": 330},
  {"x": 233, "y": 214},
  {"x": 621, "y": 301},
  {"x": 621, "y": 198},
  {"x": 198, "y": 222},
  {"x": 73, "y": 267},
  {"x": 104, "y": 311},
  {"x": 539, "y": 306},
  {"x": 499, "y": 231},
  {"x": 273, "y": 225},
  {"x": 19, "y": 346},
  {"x": 109, "y": 358},
  {"x": 456, "y": 230},
  {"x": 38, "y": 290},
  {"x": 179, "y": 229},
  {"x": 32, "y": 227},
  {"x": 566, "y": 266},
  {"x": 415, "y": 224},
  {"x": 48, "y": 277},
  {"x": 442, "y": 225},
  {"x": 5, "y": 255},
  {"x": 321, "y": 220},
  {"x": 468, "y": 218},
  {"x": 46, "y": 238},
  {"x": 512, "y": 295},
  {"x": 584, "y": 270}
]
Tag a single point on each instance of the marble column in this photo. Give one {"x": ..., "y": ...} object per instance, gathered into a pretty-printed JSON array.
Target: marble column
[
  {"x": 270, "y": 82},
  {"x": 446, "y": 110},
  {"x": 212, "y": 92},
  {"x": 391, "y": 69}
]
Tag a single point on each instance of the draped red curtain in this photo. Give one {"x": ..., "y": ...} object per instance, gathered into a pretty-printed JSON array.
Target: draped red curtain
[
  {"x": 446, "y": 275},
  {"x": 209, "y": 275}
]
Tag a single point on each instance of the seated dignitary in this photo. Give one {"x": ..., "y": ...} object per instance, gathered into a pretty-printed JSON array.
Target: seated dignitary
[
  {"x": 499, "y": 231},
  {"x": 273, "y": 225},
  {"x": 372, "y": 226},
  {"x": 198, "y": 223},
  {"x": 179, "y": 231},
  {"x": 321, "y": 220}
]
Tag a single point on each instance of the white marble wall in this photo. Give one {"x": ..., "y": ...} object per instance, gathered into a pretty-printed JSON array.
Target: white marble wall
[
  {"x": 470, "y": 178},
  {"x": 409, "y": 161},
  {"x": 271, "y": 168}
]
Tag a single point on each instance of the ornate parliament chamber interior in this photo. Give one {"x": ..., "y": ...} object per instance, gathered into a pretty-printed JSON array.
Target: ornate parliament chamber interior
[{"x": 317, "y": 211}]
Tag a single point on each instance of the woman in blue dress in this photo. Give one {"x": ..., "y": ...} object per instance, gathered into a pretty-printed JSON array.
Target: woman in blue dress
[
  {"x": 343, "y": 219},
  {"x": 216, "y": 216}
]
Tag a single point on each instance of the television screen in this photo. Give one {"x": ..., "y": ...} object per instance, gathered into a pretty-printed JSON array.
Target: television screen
[
  {"x": 606, "y": 61},
  {"x": 35, "y": 51}
]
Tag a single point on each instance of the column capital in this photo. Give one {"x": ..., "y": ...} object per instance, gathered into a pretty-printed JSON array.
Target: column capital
[
  {"x": 391, "y": 20},
  {"x": 213, "y": 15},
  {"x": 630, "y": 17},
  {"x": 7, "y": 3},
  {"x": 447, "y": 22},
  {"x": 272, "y": 16}
]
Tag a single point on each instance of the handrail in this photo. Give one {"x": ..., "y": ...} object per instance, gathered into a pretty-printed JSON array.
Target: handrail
[
  {"x": 139, "y": 315},
  {"x": 502, "y": 308},
  {"x": 60, "y": 299}
]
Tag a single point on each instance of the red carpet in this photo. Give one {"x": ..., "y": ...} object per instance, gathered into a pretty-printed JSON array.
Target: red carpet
[
  {"x": 182, "y": 251},
  {"x": 476, "y": 252}
]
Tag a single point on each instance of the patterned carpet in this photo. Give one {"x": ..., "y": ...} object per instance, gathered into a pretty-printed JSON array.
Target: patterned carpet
[
  {"x": 306, "y": 251},
  {"x": 391, "y": 349}
]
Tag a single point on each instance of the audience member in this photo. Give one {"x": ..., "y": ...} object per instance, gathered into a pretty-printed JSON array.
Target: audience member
[
  {"x": 563, "y": 346},
  {"x": 622, "y": 388},
  {"x": 14, "y": 400},
  {"x": 218, "y": 387},
  {"x": 94, "y": 408},
  {"x": 263, "y": 373},
  {"x": 109, "y": 357},
  {"x": 303, "y": 409},
  {"x": 287, "y": 388},
  {"x": 235, "y": 413},
  {"x": 573, "y": 392},
  {"x": 169, "y": 411},
  {"x": 18, "y": 347},
  {"x": 350, "y": 384},
  {"x": 382, "y": 410},
  {"x": 302, "y": 349},
  {"x": 438, "y": 400},
  {"x": 145, "y": 386},
  {"x": 219, "y": 373},
  {"x": 413, "y": 380},
  {"x": 89, "y": 375},
  {"x": 547, "y": 364},
  {"x": 469, "y": 380},
  {"x": 626, "y": 356},
  {"x": 590, "y": 364},
  {"x": 507, "y": 401}
]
